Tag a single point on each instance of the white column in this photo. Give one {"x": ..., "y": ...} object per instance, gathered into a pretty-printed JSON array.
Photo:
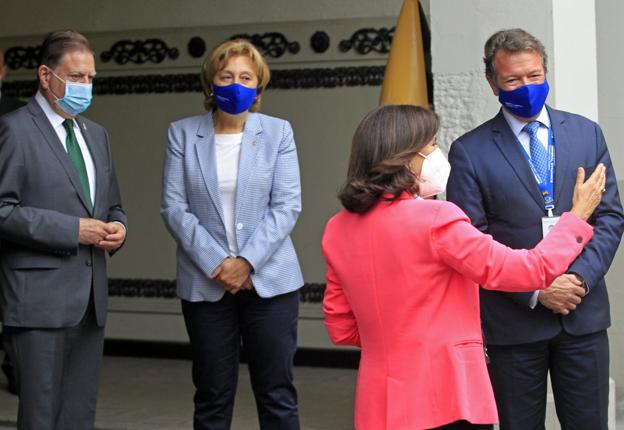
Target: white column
[{"x": 574, "y": 73}]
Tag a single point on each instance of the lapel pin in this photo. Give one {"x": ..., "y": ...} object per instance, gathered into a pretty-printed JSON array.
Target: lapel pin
[
  {"x": 253, "y": 143},
  {"x": 84, "y": 126}
]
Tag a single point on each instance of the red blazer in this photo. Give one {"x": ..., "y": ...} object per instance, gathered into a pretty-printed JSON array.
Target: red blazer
[{"x": 402, "y": 283}]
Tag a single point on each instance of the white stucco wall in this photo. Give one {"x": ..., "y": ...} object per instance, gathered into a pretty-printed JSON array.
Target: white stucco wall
[
  {"x": 610, "y": 42},
  {"x": 459, "y": 29}
]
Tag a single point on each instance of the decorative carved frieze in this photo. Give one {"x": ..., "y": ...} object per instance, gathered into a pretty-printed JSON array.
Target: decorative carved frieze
[
  {"x": 161, "y": 288},
  {"x": 139, "y": 52},
  {"x": 367, "y": 40},
  {"x": 319, "y": 42},
  {"x": 285, "y": 79},
  {"x": 22, "y": 57},
  {"x": 272, "y": 44}
]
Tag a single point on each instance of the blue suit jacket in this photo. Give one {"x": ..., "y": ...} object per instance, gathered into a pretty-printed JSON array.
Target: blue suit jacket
[
  {"x": 268, "y": 202},
  {"x": 492, "y": 182}
]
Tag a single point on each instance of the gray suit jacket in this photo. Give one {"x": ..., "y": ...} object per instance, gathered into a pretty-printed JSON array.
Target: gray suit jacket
[{"x": 46, "y": 275}]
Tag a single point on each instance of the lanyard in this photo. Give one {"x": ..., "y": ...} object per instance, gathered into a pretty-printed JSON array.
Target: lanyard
[{"x": 547, "y": 187}]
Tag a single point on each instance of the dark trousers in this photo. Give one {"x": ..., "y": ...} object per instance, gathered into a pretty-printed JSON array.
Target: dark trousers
[
  {"x": 579, "y": 374},
  {"x": 7, "y": 366},
  {"x": 465, "y": 425},
  {"x": 57, "y": 372},
  {"x": 268, "y": 330}
]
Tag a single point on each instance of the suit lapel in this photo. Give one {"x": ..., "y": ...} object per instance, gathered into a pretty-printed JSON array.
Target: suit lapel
[
  {"x": 510, "y": 147},
  {"x": 206, "y": 155},
  {"x": 562, "y": 155},
  {"x": 46, "y": 129},
  {"x": 249, "y": 150},
  {"x": 99, "y": 161}
]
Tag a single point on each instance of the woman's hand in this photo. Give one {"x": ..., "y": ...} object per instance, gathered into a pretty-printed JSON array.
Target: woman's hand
[
  {"x": 233, "y": 274},
  {"x": 587, "y": 194}
]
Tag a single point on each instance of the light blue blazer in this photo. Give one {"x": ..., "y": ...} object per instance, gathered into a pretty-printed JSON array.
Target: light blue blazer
[{"x": 268, "y": 202}]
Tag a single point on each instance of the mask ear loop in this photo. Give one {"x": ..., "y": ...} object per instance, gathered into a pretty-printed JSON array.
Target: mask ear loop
[
  {"x": 417, "y": 177},
  {"x": 412, "y": 172},
  {"x": 59, "y": 78}
]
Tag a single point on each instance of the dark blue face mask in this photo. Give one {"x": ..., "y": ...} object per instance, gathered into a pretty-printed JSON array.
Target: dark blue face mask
[
  {"x": 234, "y": 98},
  {"x": 526, "y": 101}
]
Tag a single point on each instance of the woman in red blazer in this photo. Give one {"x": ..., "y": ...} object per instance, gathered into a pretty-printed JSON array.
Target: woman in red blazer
[{"x": 403, "y": 276}]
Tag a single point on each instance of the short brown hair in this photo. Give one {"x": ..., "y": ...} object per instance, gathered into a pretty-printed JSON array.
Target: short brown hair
[
  {"x": 59, "y": 43},
  {"x": 511, "y": 40},
  {"x": 219, "y": 57},
  {"x": 385, "y": 142}
]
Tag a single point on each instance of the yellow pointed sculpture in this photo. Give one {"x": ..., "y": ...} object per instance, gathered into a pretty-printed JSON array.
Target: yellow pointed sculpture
[{"x": 405, "y": 81}]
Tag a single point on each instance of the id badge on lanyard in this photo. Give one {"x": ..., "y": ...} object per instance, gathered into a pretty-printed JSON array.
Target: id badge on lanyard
[{"x": 547, "y": 188}]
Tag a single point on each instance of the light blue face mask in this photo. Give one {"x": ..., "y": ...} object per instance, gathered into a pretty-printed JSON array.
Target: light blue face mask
[{"x": 77, "y": 97}]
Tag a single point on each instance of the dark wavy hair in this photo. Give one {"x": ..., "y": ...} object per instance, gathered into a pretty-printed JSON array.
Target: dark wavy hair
[{"x": 385, "y": 142}]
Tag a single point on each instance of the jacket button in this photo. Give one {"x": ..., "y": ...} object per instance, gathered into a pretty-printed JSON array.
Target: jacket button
[
  {"x": 239, "y": 226},
  {"x": 88, "y": 263},
  {"x": 579, "y": 239}
]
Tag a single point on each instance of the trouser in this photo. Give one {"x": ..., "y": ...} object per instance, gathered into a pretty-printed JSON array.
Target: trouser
[
  {"x": 268, "y": 329},
  {"x": 579, "y": 374},
  {"x": 57, "y": 373}
]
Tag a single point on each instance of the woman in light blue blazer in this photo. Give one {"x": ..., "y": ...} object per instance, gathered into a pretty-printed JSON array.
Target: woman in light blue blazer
[{"x": 231, "y": 197}]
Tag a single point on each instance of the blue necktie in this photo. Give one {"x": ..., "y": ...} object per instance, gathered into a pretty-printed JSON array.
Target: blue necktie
[{"x": 539, "y": 155}]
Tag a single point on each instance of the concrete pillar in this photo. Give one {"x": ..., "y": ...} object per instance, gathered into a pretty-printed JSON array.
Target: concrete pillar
[{"x": 574, "y": 73}]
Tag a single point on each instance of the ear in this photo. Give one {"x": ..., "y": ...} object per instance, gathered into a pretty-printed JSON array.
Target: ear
[
  {"x": 493, "y": 86},
  {"x": 43, "y": 74}
]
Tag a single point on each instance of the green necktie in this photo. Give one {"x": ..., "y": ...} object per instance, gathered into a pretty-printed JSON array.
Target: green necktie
[{"x": 75, "y": 155}]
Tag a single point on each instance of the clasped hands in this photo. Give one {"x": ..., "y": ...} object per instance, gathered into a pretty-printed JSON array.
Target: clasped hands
[
  {"x": 105, "y": 235},
  {"x": 233, "y": 275},
  {"x": 563, "y": 295},
  {"x": 567, "y": 291}
]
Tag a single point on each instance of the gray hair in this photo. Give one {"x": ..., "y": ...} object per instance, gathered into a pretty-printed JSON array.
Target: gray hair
[
  {"x": 59, "y": 43},
  {"x": 511, "y": 40}
]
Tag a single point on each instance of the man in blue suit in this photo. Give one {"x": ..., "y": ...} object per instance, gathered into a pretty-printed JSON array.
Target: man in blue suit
[{"x": 513, "y": 175}]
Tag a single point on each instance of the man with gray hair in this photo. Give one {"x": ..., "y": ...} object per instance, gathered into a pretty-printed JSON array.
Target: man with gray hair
[
  {"x": 60, "y": 211},
  {"x": 513, "y": 176}
]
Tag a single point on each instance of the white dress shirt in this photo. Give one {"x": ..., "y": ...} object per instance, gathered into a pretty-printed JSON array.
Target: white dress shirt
[
  {"x": 523, "y": 137},
  {"x": 516, "y": 127},
  {"x": 57, "y": 124},
  {"x": 228, "y": 154}
]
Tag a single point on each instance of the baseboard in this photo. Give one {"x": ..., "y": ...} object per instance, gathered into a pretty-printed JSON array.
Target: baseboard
[{"x": 310, "y": 357}]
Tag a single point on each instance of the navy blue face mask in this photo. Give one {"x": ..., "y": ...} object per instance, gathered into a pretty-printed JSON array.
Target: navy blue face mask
[
  {"x": 526, "y": 101},
  {"x": 234, "y": 98}
]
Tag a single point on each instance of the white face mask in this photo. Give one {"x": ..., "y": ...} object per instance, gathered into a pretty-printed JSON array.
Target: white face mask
[{"x": 434, "y": 174}]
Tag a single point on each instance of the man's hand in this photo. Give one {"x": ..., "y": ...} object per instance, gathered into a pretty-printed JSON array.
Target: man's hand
[
  {"x": 233, "y": 274},
  {"x": 116, "y": 234},
  {"x": 563, "y": 295},
  {"x": 91, "y": 231}
]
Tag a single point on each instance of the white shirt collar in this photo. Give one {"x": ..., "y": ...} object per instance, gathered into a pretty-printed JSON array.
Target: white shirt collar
[
  {"x": 516, "y": 125},
  {"x": 54, "y": 118}
]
